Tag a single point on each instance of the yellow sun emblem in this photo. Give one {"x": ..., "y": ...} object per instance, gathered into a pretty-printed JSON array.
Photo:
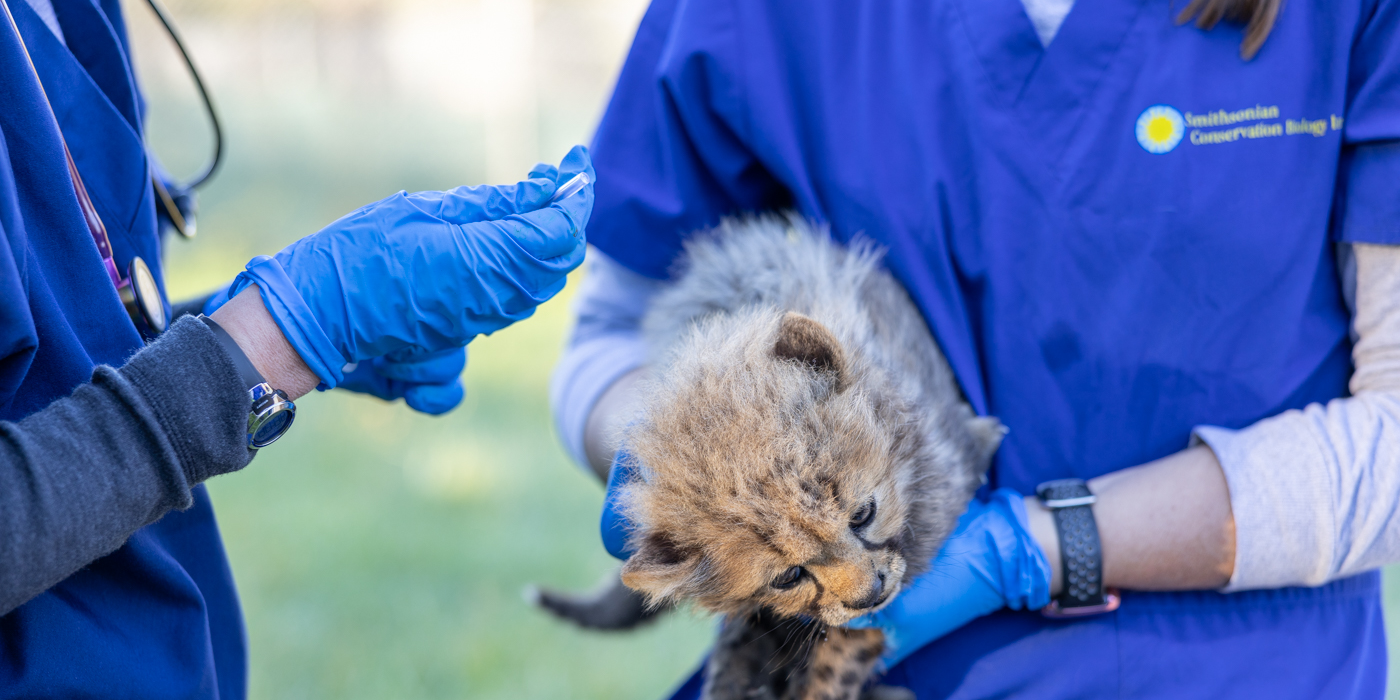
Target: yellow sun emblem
[{"x": 1160, "y": 128}]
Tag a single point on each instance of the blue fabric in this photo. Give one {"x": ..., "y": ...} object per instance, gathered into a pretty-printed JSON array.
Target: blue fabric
[
  {"x": 159, "y": 617},
  {"x": 1100, "y": 292}
]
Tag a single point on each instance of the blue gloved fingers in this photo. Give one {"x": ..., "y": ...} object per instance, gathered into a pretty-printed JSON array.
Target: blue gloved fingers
[
  {"x": 429, "y": 382},
  {"x": 988, "y": 563},
  {"x": 434, "y": 399},
  {"x": 467, "y": 205},
  {"x": 1025, "y": 568},
  {"x": 580, "y": 206},
  {"x": 430, "y": 270},
  {"x": 422, "y": 367},
  {"x": 546, "y": 234},
  {"x": 613, "y": 525},
  {"x": 555, "y": 230},
  {"x": 219, "y": 298},
  {"x": 558, "y": 229},
  {"x": 545, "y": 171},
  {"x": 576, "y": 161},
  {"x": 364, "y": 379}
]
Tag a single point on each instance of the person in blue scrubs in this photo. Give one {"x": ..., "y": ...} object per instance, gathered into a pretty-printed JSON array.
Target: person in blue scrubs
[
  {"x": 1124, "y": 232},
  {"x": 113, "y": 580}
]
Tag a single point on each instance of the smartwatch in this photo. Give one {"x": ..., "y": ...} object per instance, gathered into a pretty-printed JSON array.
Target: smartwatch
[
  {"x": 1081, "y": 557},
  {"x": 272, "y": 412}
]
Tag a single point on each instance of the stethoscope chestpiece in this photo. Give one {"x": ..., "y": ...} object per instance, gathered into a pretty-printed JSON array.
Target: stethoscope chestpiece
[{"x": 141, "y": 297}]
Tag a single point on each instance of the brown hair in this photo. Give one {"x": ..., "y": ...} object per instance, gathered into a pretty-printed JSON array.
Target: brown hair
[{"x": 1258, "y": 16}]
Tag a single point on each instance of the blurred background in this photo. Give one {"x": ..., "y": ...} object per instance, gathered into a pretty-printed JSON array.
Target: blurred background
[{"x": 381, "y": 553}]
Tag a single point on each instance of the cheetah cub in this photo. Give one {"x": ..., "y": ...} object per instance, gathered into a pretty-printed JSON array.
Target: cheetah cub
[{"x": 804, "y": 450}]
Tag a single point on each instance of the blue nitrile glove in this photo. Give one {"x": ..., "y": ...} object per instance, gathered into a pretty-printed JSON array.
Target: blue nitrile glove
[
  {"x": 613, "y": 526},
  {"x": 429, "y": 270},
  {"x": 990, "y": 562},
  {"x": 429, "y": 382}
]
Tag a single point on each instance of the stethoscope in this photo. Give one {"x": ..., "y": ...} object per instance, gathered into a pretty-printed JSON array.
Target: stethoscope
[{"x": 137, "y": 288}]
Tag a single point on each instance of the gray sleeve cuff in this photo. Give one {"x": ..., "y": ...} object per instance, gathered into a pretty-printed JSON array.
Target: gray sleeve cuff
[
  {"x": 583, "y": 375},
  {"x": 1280, "y": 495},
  {"x": 80, "y": 476},
  {"x": 192, "y": 388},
  {"x": 1314, "y": 492}
]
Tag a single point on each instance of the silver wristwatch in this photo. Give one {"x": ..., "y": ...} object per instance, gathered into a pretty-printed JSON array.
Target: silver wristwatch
[{"x": 272, "y": 412}]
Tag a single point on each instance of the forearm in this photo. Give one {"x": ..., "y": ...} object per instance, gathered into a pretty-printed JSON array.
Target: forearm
[
  {"x": 248, "y": 322},
  {"x": 603, "y": 431},
  {"x": 79, "y": 477},
  {"x": 1301, "y": 498},
  {"x": 1164, "y": 526},
  {"x": 594, "y": 389}
]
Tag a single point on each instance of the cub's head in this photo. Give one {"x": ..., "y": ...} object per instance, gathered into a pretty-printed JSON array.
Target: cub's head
[{"x": 780, "y": 469}]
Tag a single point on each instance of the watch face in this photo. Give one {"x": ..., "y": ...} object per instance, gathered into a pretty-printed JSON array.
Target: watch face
[
  {"x": 270, "y": 417},
  {"x": 273, "y": 428}
]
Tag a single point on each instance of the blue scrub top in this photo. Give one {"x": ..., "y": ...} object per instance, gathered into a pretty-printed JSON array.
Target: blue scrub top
[
  {"x": 1114, "y": 239},
  {"x": 158, "y": 618}
]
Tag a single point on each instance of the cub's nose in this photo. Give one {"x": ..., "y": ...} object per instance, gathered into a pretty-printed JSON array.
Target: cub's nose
[{"x": 874, "y": 597}]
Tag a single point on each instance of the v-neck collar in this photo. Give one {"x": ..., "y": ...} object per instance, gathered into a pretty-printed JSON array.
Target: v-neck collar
[
  {"x": 105, "y": 145},
  {"x": 1006, "y": 45},
  {"x": 93, "y": 42},
  {"x": 1045, "y": 89}
]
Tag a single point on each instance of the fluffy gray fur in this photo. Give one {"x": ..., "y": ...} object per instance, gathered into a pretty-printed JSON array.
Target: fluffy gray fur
[{"x": 748, "y": 271}]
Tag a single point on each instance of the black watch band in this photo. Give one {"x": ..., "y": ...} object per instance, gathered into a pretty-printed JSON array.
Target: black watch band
[
  {"x": 271, "y": 412},
  {"x": 246, "y": 371},
  {"x": 1081, "y": 556}
]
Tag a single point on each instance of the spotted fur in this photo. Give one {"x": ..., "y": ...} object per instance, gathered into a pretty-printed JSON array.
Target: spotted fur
[{"x": 794, "y": 385}]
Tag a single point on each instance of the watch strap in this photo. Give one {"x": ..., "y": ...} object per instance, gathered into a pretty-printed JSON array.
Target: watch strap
[
  {"x": 1081, "y": 553},
  {"x": 249, "y": 374}
]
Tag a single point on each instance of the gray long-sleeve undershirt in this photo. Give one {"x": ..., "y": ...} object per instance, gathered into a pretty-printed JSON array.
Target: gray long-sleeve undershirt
[{"x": 79, "y": 477}]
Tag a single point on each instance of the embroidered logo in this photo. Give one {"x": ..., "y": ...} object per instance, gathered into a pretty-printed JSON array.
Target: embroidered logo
[{"x": 1160, "y": 128}]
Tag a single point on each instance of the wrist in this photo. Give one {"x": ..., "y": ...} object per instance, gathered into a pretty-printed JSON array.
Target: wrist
[
  {"x": 248, "y": 322},
  {"x": 1040, "y": 522},
  {"x": 297, "y": 324}
]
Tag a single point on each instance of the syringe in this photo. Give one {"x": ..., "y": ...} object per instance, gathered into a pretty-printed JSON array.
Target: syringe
[{"x": 570, "y": 188}]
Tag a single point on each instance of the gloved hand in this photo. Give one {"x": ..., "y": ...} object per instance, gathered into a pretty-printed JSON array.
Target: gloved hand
[
  {"x": 429, "y": 382},
  {"x": 613, "y": 525},
  {"x": 429, "y": 270},
  {"x": 990, "y": 562}
]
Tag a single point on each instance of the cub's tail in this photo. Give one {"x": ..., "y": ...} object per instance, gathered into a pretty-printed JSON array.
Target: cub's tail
[{"x": 610, "y": 607}]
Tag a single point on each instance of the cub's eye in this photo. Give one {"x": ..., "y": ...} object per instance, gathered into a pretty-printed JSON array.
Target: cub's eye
[
  {"x": 863, "y": 516},
  {"x": 788, "y": 578}
]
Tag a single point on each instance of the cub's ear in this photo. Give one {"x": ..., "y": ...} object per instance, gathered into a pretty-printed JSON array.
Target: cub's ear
[
  {"x": 660, "y": 568},
  {"x": 987, "y": 432},
  {"x": 802, "y": 339}
]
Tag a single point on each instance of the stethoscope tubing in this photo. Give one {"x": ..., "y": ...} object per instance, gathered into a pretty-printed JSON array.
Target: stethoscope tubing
[{"x": 203, "y": 94}]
